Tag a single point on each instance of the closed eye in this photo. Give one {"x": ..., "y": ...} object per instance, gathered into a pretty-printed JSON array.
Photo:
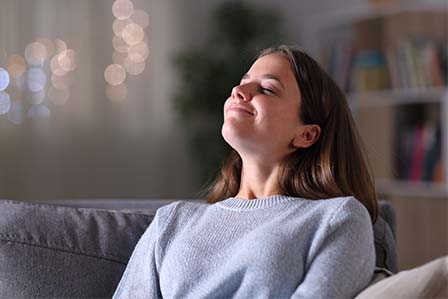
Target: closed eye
[{"x": 266, "y": 90}]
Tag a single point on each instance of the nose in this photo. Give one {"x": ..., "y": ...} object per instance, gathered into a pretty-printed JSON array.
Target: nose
[{"x": 241, "y": 92}]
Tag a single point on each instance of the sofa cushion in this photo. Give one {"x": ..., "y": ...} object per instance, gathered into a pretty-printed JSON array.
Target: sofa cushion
[
  {"x": 62, "y": 252},
  {"x": 427, "y": 281}
]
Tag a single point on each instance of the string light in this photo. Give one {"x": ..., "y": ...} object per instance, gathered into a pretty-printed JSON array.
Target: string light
[
  {"x": 115, "y": 74},
  {"x": 16, "y": 65},
  {"x": 15, "y": 113},
  {"x": 5, "y": 102},
  {"x": 141, "y": 18},
  {"x": 119, "y": 44},
  {"x": 4, "y": 79},
  {"x": 130, "y": 48},
  {"x": 36, "y": 97},
  {"x": 132, "y": 34},
  {"x": 49, "y": 46},
  {"x": 41, "y": 77},
  {"x": 36, "y": 79},
  {"x": 134, "y": 68},
  {"x": 67, "y": 60},
  {"x": 35, "y": 54},
  {"x": 60, "y": 46},
  {"x": 122, "y": 9},
  {"x": 57, "y": 96},
  {"x": 39, "y": 111},
  {"x": 61, "y": 82}
]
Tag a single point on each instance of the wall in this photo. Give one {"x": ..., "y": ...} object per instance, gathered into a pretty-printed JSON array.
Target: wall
[{"x": 91, "y": 147}]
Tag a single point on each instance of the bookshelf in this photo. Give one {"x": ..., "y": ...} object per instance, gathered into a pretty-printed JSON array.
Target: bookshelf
[{"x": 391, "y": 58}]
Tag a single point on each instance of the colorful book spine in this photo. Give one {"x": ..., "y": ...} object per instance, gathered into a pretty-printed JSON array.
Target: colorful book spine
[
  {"x": 409, "y": 64},
  {"x": 419, "y": 156}
]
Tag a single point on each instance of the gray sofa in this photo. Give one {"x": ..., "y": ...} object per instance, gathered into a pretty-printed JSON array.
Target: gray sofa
[{"x": 79, "y": 248}]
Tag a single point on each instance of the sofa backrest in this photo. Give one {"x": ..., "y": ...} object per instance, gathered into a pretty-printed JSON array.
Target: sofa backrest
[{"x": 65, "y": 250}]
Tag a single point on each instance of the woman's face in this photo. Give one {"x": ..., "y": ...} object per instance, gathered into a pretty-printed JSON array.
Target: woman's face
[{"x": 261, "y": 116}]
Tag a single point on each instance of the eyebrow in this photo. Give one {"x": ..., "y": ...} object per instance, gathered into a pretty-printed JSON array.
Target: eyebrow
[{"x": 266, "y": 76}]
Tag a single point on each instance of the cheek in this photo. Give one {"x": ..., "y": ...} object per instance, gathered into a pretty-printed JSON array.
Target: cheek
[
  {"x": 283, "y": 120},
  {"x": 226, "y": 103}
]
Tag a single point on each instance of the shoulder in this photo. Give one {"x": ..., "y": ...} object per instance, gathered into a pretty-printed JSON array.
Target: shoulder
[
  {"x": 342, "y": 219},
  {"x": 349, "y": 209},
  {"x": 339, "y": 214},
  {"x": 340, "y": 208}
]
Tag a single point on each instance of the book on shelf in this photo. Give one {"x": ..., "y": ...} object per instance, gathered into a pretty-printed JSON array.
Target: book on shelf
[
  {"x": 337, "y": 60},
  {"x": 419, "y": 153},
  {"x": 411, "y": 63}
]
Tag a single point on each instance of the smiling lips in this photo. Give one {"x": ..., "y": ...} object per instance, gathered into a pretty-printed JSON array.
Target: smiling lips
[{"x": 239, "y": 108}]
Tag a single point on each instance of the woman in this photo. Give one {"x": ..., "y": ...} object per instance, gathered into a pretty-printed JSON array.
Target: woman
[{"x": 291, "y": 213}]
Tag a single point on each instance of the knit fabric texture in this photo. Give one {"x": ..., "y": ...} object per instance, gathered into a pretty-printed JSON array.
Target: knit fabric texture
[{"x": 272, "y": 247}]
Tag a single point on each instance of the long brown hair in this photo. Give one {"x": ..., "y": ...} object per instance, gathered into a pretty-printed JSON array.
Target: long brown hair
[{"x": 335, "y": 165}]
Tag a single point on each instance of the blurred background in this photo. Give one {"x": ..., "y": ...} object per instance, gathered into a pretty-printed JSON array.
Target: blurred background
[{"x": 123, "y": 99}]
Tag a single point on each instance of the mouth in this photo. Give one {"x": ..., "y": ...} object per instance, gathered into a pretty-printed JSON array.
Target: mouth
[{"x": 240, "y": 109}]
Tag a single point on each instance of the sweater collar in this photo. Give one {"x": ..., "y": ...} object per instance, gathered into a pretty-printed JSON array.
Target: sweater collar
[{"x": 258, "y": 203}]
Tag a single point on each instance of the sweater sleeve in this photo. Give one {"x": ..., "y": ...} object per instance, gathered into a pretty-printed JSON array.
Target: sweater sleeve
[
  {"x": 140, "y": 279},
  {"x": 341, "y": 262}
]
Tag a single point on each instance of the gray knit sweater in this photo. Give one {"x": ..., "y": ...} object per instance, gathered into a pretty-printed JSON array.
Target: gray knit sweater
[{"x": 273, "y": 247}]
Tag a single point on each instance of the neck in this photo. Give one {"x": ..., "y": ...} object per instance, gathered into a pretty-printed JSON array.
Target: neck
[{"x": 258, "y": 180}]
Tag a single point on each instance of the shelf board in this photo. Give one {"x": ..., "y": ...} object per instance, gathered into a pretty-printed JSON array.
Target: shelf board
[
  {"x": 411, "y": 189},
  {"x": 367, "y": 10},
  {"x": 397, "y": 97}
]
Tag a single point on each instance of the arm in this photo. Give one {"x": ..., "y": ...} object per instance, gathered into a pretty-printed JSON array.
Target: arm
[
  {"x": 141, "y": 279},
  {"x": 341, "y": 263}
]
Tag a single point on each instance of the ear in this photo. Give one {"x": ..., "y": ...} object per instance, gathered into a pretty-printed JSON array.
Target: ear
[{"x": 306, "y": 136}]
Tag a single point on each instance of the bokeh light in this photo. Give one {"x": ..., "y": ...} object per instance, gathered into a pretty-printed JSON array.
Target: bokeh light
[
  {"x": 60, "y": 46},
  {"x": 132, "y": 34},
  {"x": 115, "y": 74},
  {"x": 16, "y": 66},
  {"x": 140, "y": 17},
  {"x": 118, "y": 57},
  {"x": 49, "y": 46},
  {"x": 55, "y": 67},
  {"x": 18, "y": 82},
  {"x": 119, "y": 25},
  {"x": 4, "y": 79},
  {"x": 61, "y": 82},
  {"x": 130, "y": 48},
  {"x": 36, "y": 79},
  {"x": 138, "y": 52},
  {"x": 25, "y": 78},
  {"x": 134, "y": 68},
  {"x": 15, "y": 113},
  {"x": 36, "y": 97},
  {"x": 58, "y": 96},
  {"x": 5, "y": 102},
  {"x": 119, "y": 44},
  {"x": 15, "y": 92},
  {"x": 67, "y": 60},
  {"x": 39, "y": 111},
  {"x": 35, "y": 54},
  {"x": 116, "y": 93},
  {"x": 122, "y": 9}
]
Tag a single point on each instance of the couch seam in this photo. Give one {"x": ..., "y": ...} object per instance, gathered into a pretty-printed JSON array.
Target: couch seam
[{"x": 6, "y": 238}]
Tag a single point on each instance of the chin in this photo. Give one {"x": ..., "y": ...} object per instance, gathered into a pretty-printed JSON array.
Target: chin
[
  {"x": 238, "y": 138},
  {"x": 232, "y": 135}
]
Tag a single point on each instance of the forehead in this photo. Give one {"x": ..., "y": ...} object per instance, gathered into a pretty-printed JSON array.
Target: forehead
[{"x": 273, "y": 64}]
